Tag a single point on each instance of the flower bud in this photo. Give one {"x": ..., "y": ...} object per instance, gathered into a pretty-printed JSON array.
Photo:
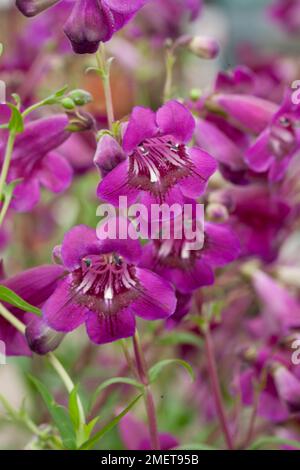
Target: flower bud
[
  {"x": 34, "y": 7},
  {"x": 80, "y": 97},
  {"x": 108, "y": 155},
  {"x": 42, "y": 339},
  {"x": 68, "y": 103},
  {"x": 217, "y": 212},
  {"x": 204, "y": 47},
  {"x": 80, "y": 122}
]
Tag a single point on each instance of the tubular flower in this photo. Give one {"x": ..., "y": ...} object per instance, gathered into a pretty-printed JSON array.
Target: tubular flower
[
  {"x": 90, "y": 21},
  {"x": 160, "y": 167},
  {"x": 105, "y": 288}
]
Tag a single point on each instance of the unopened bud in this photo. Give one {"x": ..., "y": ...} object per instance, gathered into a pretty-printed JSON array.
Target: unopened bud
[
  {"x": 217, "y": 212},
  {"x": 42, "y": 339},
  {"x": 80, "y": 97},
  {"x": 204, "y": 47},
  {"x": 68, "y": 103},
  {"x": 79, "y": 122},
  {"x": 108, "y": 155}
]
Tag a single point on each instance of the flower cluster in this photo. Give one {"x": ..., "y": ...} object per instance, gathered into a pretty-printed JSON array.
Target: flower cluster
[{"x": 202, "y": 268}]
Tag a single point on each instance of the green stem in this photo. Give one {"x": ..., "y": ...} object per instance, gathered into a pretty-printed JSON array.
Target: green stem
[
  {"x": 4, "y": 208},
  {"x": 32, "y": 108},
  {"x": 56, "y": 364},
  {"x": 12, "y": 319},
  {"x": 104, "y": 67},
  {"x": 148, "y": 396},
  {"x": 66, "y": 379},
  {"x": 216, "y": 388},
  {"x": 7, "y": 160},
  {"x": 170, "y": 62}
]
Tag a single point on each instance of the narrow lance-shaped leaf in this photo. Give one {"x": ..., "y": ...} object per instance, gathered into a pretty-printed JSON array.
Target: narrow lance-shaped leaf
[{"x": 7, "y": 295}]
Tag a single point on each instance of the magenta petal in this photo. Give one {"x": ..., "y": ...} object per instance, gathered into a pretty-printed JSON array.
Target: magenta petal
[
  {"x": 61, "y": 312},
  {"x": 188, "y": 280},
  {"x": 116, "y": 184},
  {"x": 142, "y": 125},
  {"x": 125, "y": 6},
  {"x": 56, "y": 173},
  {"x": 221, "y": 244},
  {"x": 258, "y": 156},
  {"x": 16, "y": 344},
  {"x": 89, "y": 23},
  {"x": 106, "y": 328},
  {"x": 204, "y": 166},
  {"x": 175, "y": 119},
  {"x": 77, "y": 243},
  {"x": 250, "y": 111},
  {"x": 157, "y": 298},
  {"x": 216, "y": 142},
  {"x": 26, "y": 195}
]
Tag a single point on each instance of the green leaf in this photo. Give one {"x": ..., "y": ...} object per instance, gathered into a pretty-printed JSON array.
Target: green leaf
[
  {"x": 16, "y": 123},
  {"x": 94, "y": 439},
  {"x": 180, "y": 337},
  {"x": 7, "y": 295},
  {"x": 88, "y": 428},
  {"x": 196, "y": 447},
  {"x": 155, "y": 371},
  {"x": 113, "y": 381},
  {"x": 273, "y": 440},
  {"x": 73, "y": 408},
  {"x": 59, "y": 415},
  {"x": 1, "y": 49}
]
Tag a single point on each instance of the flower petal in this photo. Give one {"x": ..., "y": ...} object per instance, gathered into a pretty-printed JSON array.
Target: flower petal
[
  {"x": 175, "y": 119},
  {"x": 125, "y": 6},
  {"x": 116, "y": 184},
  {"x": 188, "y": 280},
  {"x": 258, "y": 156},
  {"x": 106, "y": 328},
  {"x": 26, "y": 195},
  {"x": 203, "y": 167},
  {"x": 61, "y": 312},
  {"x": 142, "y": 125},
  {"x": 55, "y": 173},
  {"x": 89, "y": 23},
  {"x": 77, "y": 243},
  {"x": 157, "y": 299},
  {"x": 221, "y": 244}
]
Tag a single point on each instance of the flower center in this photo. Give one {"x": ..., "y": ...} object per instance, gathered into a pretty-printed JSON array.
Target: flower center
[
  {"x": 105, "y": 283},
  {"x": 157, "y": 164},
  {"x": 175, "y": 254}
]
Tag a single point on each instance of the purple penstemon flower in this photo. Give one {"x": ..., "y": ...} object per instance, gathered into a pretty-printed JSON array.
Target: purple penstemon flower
[
  {"x": 105, "y": 288},
  {"x": 278, "y": 143},
  {"x": 36, "y": 161},
  {"x": 190, "y": 269},
  {"x": 160, "y": 168},
  {"x": 90, "y": 21}
]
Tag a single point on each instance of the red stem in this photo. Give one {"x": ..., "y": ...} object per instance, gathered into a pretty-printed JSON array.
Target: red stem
[
  {"x": 216, "y": 389},
  {"x": 149, "y": 401}
]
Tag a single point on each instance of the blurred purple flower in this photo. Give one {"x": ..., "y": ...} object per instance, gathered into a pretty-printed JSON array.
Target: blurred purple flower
[
  {"x": 160, "y": 167},
  {"x": 90, "y": 21},
  {"x": 258, "y": 217},
  {"x": 287, "y": 14},
  {"x": 36, "y": 162},
  {"x": 190, "y": 269}
]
